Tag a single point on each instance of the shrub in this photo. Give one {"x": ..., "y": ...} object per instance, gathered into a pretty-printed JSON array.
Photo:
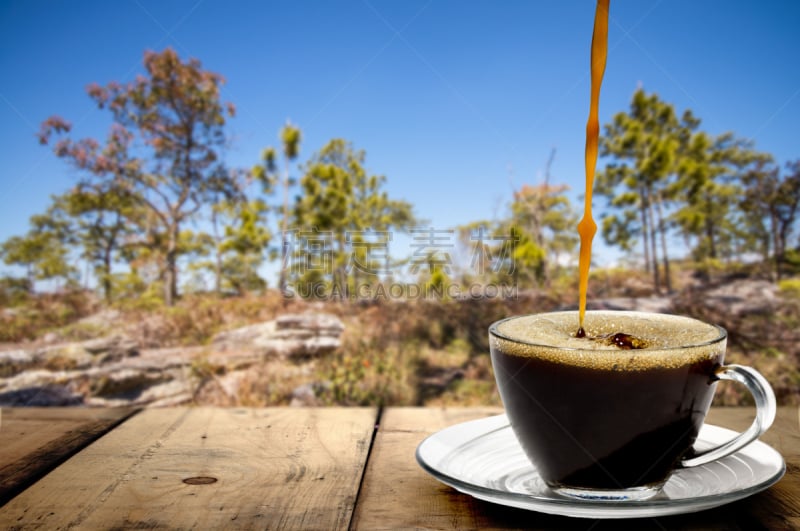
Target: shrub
[
  {"x": 790, "y": 288},
  {"x": 43, "y": 313}
]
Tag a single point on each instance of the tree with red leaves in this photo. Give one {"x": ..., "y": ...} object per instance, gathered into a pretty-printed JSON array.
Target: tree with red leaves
[{"x": 163, "y": 151}]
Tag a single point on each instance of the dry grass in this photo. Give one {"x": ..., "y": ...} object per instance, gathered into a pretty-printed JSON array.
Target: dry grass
[
  {"x": 767, "y": 341},
  {"x": 195, "y": 319},
  {"x": 402, "y": 352},
  {"x": 268, "y": 384},
  {"x": 35, "y": 316}
]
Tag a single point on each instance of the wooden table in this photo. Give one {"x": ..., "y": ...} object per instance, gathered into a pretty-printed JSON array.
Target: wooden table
[{"x": 291, "y": 468}]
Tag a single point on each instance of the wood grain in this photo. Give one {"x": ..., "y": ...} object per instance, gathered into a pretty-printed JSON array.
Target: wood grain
[
  {"x": 300, "y": 469},
  {"x": 779, "y": 506},
  {"x": 398, "y": 494},
  {"x": 33, "y": 441},
  {"x": 289, "y": 468}
]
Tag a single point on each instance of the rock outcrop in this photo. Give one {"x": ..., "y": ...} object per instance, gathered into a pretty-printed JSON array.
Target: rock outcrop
[
  {"x": 116, "y": 370},
  {"x": 744, "y": 297},
  {"x": 288, "y": 336}
]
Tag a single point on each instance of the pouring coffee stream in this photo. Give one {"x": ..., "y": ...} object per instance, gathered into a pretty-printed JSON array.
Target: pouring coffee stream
[{"x": 587, "y": 226}]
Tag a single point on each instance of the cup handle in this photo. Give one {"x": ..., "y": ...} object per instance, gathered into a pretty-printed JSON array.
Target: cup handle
[{"x": 765, "y": 414}]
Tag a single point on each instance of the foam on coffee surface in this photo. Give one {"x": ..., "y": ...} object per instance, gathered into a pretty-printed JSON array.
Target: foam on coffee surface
[{"x": 667, "y": 340}]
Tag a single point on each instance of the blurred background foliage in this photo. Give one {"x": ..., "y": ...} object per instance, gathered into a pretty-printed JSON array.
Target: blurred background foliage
[{"x": 157, "y": 224}]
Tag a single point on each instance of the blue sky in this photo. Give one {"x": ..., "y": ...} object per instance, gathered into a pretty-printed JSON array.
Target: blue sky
[{"x": 455, "y": 102}]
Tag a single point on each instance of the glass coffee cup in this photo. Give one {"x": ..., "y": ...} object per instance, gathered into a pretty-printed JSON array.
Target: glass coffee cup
[{"x": 610, "y": 416}]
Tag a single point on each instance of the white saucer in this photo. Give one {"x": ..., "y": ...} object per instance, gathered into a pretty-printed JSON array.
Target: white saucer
[{"x": 483, "y": 459}]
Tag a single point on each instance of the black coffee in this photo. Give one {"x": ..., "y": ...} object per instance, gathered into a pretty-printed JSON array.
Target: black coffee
[{"x": 601, "y": 417}]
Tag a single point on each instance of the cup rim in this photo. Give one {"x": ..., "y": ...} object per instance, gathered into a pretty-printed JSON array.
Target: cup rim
[{"x": 722, "y": 332}]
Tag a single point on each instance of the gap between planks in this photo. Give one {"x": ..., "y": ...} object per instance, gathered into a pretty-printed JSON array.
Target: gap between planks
[{"x": 375, "y": 429}]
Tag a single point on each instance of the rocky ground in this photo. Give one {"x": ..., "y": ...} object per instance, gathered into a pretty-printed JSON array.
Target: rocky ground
[
  {"x": 117, "y": 370},
  {"x": 122, "y": 367}
]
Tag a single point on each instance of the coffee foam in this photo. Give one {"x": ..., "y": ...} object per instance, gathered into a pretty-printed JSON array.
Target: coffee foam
[{"x": 671, "y": 340}]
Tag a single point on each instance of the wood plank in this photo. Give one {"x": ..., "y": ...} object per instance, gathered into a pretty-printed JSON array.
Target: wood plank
[
  {"x": 208, "y": 468},
  {"x": 397, "y": 494},
  {"x": 779, "y": 506},
  {"x": 34, "y": 441}
]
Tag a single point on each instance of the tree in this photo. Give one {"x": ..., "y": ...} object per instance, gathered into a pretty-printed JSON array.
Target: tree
[
  {"x": 290, "y": 138},
  {"x": 528, "y": 244},
  {"x": 44, "y": 251},
  {"x": 268, "y": 174},
  {"x": 344, "y": 210},
  {"x": 541, "y": 225},
  {"x": 239, "y": 249},
  {"x": 644, "y": 145},
  {"x": 708, "y": 191},
  {"x": 101, "y": 221},
  {"x": 771, "y": 203},
  {"x": 163, "y": 151}
]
